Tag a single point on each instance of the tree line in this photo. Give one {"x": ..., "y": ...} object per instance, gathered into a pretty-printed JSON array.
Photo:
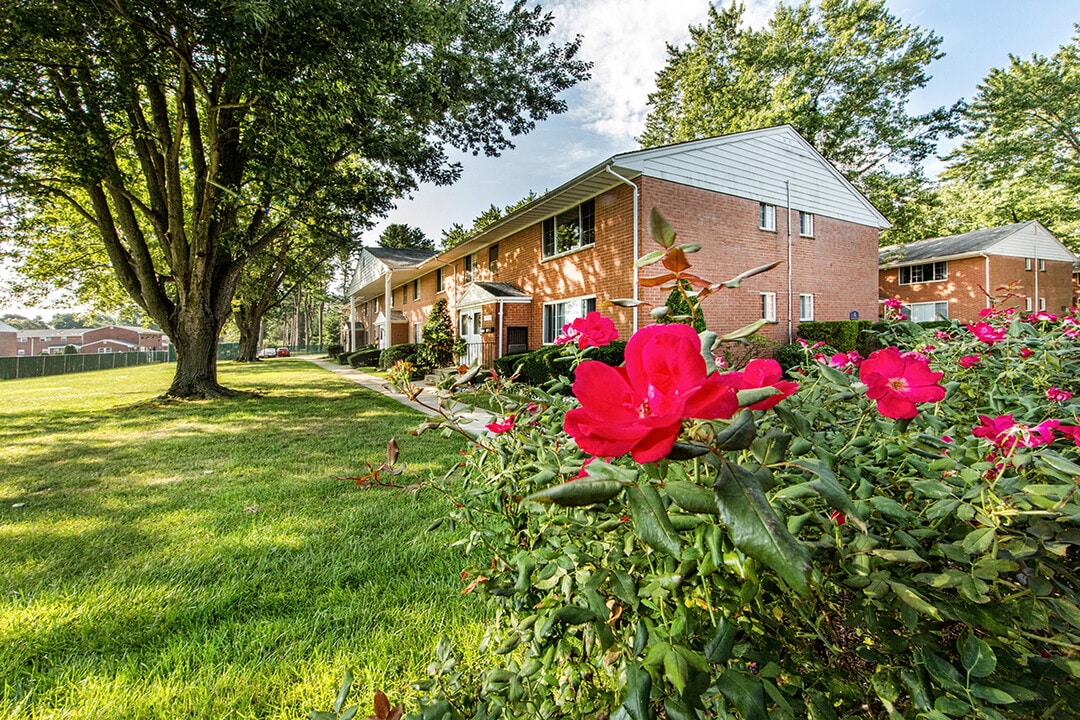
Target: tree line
[{"x": 209, "y": 161}]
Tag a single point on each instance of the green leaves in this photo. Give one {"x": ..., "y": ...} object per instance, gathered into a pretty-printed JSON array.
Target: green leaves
[
  {"x": 651, "y": 522},
  {"x": 757, "y": 530},
  {"x": 578, "y": 493}
]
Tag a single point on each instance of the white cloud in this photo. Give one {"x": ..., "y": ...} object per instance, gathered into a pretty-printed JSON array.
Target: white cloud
[{"x": 627, "y": 40}]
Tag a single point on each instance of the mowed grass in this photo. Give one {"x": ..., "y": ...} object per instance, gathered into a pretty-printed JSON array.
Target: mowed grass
[{"x": 200, "y": 559}]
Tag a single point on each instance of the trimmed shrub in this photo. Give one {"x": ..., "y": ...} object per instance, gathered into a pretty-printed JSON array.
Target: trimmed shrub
[
  {"x": 367, "y": 357},
  {"x": 789, "y": 356},
  {"x": 840, "y": 334},
  {"x": 335, "y": 350},
  {"x": 405, "y": 351},
  {"x": 682, "y": 308},
  {"x": 544, "y": 365}
]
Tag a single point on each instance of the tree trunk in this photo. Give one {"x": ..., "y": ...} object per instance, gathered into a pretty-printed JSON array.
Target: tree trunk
[
  {"x": 248, "y": 321},
  {"x": 196, "y": 342}
]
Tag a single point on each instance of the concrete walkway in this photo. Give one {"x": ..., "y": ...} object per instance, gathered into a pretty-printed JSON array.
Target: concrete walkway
[{"x": 473, "y": 421}]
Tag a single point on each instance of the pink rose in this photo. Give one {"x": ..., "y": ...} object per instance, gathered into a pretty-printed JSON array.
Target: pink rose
[
  {"x": 987, "y": 333},
  {"x": 898, "y": 383}
]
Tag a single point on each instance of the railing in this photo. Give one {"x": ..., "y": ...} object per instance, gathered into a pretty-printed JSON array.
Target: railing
[{"x": 479, "y": 351}]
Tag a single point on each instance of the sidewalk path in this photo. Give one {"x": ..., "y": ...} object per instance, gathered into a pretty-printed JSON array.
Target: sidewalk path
[{"x": 474, "y": 421}]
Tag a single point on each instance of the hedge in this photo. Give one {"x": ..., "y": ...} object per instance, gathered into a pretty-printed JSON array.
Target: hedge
[
  {"x": 543, "y": 365},
  {"x": 366, "y": 357},
  {"x": 405, "y": 351}
]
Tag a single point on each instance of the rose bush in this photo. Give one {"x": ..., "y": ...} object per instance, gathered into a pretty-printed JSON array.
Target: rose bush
[{"x": 897, "y": 538}]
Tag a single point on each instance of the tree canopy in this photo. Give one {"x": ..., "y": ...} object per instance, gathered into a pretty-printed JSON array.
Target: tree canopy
[
  {"x": 399, "y": 235},
  {"x": 1021, "y": 149},
  {"x": 193, "y": 135},
  {"x": 841, "y": 72}
]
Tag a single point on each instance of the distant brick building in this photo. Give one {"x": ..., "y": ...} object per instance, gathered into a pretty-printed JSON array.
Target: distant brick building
[
  {"x": 747, "y": 199},
  {"x": 110, "y": 339},
  {"x": 950, "y": 277}
]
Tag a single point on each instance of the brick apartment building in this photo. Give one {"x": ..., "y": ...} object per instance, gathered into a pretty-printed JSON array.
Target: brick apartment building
[
  {"x": 747, "y": 199},
  {"x": 946, "y": 277},
  {"x": 109, "y": 339}
]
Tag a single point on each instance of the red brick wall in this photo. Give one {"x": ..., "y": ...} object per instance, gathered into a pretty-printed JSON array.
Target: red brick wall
[
  {"x": 727, "y": 229},
  {"x": 838, "y": 266},
  {"x": 963, "y": 286}
]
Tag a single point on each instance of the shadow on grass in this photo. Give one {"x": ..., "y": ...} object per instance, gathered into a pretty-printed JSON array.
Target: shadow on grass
[{"x": 161, "y": 538}]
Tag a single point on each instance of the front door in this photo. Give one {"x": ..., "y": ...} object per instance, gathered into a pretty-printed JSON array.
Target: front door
[{"x": 470, "y": 333}]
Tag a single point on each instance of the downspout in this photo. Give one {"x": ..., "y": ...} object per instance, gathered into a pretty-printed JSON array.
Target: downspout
[
  {"x": 387, "y": 295},
  {"x": 986, "y": 280},
  {"x": 499, "y": 352},
  {"x": 790, "y": 329},
  {"x": 637, "y": 248},
  {"x": 352, "y": 323},
  {"x": 1035, "y": 307}
]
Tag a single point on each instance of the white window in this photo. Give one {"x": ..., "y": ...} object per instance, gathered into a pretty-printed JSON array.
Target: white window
[
  {"x": 22, "y": 352},
  {"x": 806, "y": 307},
  {"x": 1042, "y": 266},
  {"x": 768, "y": 306},
  {"x": 767, "y": 217},
  {"x": 1042, "y": 304},
  {"x": 558, "y": 314},
  {"x": 927, "y": 272},
  {"x": 1028, "y": 305},
  {"x": 1028, "y": 262},
  {"x": 925, "y": 312},
  {"x": 104, "y": 350},
  {"x": 418, "y": 333},
  {"x": 569, "y": 230},
  {"x": 806, "y": 224}
]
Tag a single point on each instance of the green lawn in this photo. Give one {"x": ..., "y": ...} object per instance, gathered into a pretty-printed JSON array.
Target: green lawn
[{"x": 200, "y": 559}]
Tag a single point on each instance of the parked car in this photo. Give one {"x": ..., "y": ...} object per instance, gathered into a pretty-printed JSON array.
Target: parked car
[
  {"x": 283, "y": 352},
  {"x": 268, "y": 352}
]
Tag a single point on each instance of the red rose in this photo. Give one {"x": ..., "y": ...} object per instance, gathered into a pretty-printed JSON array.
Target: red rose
[
  {"x": 639, "y": 408},
  {"x": 898, "y": 382},
  {"x": 500, "y": 427},
  {"x": 760, "y": 373}
]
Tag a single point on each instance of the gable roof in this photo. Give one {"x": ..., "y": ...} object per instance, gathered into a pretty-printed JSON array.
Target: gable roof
[
  {"x": 395, "y": 258},
  {"x": 1024, "y": 239},
  {"x": 756, "y": 164},
  {"x": 482, "y": 293},
  {"x": 4, "y": 327}
]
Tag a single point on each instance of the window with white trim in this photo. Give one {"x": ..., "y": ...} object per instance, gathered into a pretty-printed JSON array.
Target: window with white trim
[
  {"x": 493, "y": 259},
  {"x": 806, "y": 307},
  {"x": 569, "y": 230},
  {"x": 438, "y": 280},
  {"x": 470, "y": 266},
  {"x": 22, "y": 352},
  {"x": 104, "y": 350},
  {"x": 768, "y": 306},
  {"x": 806, "y": 224},
  {"x": 925, "y": 311},
  {"x": 416, "y": 289},
  {"x": 418, "y": 332},
  {"x": 1028, "y": 263},
  {"x": 557, "y": 314},
  {"x": 767, "y": 217},
  {"x": 1042, "y": 265},
  {"x": 924, "y": 273},
  {"x": 1042, "y": 304},
  {"x": 1028, "y": 305}
]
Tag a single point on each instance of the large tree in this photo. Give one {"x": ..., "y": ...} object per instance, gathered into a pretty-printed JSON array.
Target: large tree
[
  {"x": 1021, "y": 148},
  {"x": 841, "y": 72},
  {"x": 194, "y": 134},
  {"x": 399, "y": 235}
]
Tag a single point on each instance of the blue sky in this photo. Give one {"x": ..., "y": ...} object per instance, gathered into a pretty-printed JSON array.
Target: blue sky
[{"x": 626, "y": 40}]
